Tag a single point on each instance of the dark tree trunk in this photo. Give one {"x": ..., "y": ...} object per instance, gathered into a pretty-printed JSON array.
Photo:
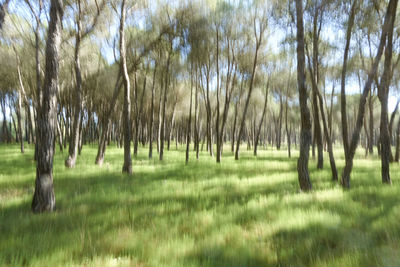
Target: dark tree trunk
[
  {"x": 3, "y": 12},
  {"x": 367, "y": 87},
  {"x": 257, "y": 135},
  {"x": 324, "y": 121},
  {"x": 345, "y": 131},
  {"x": 397, "y": 155},
  {"x": 152, "y": 113},
  {"x": 74, "y": 137},
  {"x": 371, "y": 122},
  {"x": 315, "y": 60},
  {"x": 190, "y": 116},
  {"x": 305, "y": 139},
  {"x": 383, "y": 94},
  {"x": 19, "y": 108},
  {"x": 196, "y": 116},
  {"x": 43, "y": 198},
  {"x": 288, "y": 132},
  {"x": 106, "y": 124},
  {"x": 59, "y": 133},
  {"x": 228, "y": 95},
  {"x": 392, "y": 117},
  {"x": 80, "y": 134},
  {"x": 253, "y": 73},
  {"x": 163, "y": 115},
  {"x": 127, "y": 167},
  {"x": 237, "y": 104}
]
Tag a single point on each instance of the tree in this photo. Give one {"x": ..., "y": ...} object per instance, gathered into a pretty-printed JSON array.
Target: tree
[
  {"x": 127, "y": 167},
  {"x": 83, "y": 29},
  {"x": 391, "y": 9},
  {"x": 383, "y": 95},
  {"x": 259, "y": 27},
  {"x": 43, "y": 198},
  {"x": 3, "y": 11},
  {"x": 305, "y": 133}
]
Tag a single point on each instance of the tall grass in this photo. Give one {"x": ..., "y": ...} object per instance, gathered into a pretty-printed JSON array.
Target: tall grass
[{"x": 238, "y": 213}]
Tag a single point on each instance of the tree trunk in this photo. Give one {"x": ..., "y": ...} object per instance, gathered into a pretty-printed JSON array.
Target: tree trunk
[
  {"x": 162, "y": 131},
  {"x": 371, "y": 122},
  {"x": 392, "y": 117},
  {"x": 397, "y": 156},
  {"x": 127, "y": 167},
  {"x": 317, "y": 126},
  {"x": 74, "y": 137},
  {"x": 324, "y": 121},
  {"x": 383, "y": 94},
  {"x": 152, "y": 113},
  {"x": 345, "y": 131},
  {"x": 253, "y": 73},
  {"x": 286, "y": 113},
  {"x": 305, "y": 139},
  {"x": 361, "y": 108},
  {"x": 257, "y": 136},
  {"x": 43, "y": 198},
  {"x": 190, "y": 116}
]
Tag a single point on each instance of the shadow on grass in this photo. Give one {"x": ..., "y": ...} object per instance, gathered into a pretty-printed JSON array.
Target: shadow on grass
[{"x": 216, "y": 207}]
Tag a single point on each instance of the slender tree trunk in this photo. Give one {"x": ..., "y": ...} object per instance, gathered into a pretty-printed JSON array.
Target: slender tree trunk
[
  {"x": 253, "y": 73},
  {"x": 20, "y": 96},
  {"x": 43, "y": 198},
  {"x": 325, "y": 124},
  {"x": 127, "y": 167},
  {"x": 397, "y": 155},
  {"x": 345, "y": 131},
  {"x": 392, "y": 117},
  {"x": 257, "y": 136},
  {"x": 190, "y": 116},
  {"x": 383, "y": 94},
  {"x": 74, "y": 137},
  {"x": 152, "y": 113},
  {"x": 59, "y": 133},
  {"x": 162, "y": 132},
  {"x": 196, "y": 116},
  {"x": 317, "y": 126},
  {"x": 305, "y": 139},
  {"x": 286, "y": 115},
  {"x": 361, "y": 108},
  {"x": 3, "y": 12},
  {"x": 371, "y": 122}
]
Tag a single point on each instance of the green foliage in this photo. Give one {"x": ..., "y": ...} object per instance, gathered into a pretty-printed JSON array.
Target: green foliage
[{"x": 246, "y": 213}]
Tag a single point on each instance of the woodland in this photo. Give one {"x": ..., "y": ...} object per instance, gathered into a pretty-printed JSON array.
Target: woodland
[{"x": 199, "y": 133}]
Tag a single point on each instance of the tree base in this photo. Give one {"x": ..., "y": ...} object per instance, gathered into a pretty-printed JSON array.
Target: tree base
[
  {"x": 70, "y": 162},
  {"x": 43, "y": 199}
]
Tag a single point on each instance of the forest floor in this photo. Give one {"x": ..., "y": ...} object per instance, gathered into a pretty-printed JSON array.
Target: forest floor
[{"x": 239, "y": 213}]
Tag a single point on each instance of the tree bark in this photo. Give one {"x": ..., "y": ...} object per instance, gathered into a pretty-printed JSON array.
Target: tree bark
[
  {"x": 163, "y": 115},
  {"x": 383, "y": 95},
  {"x": 392, "y": 117},
  {"x": 43, "y": 198},
  {"x": 253, "y": 73},
  {"x": 397, "y": 155},
  {"x": 127, "y": 167},
  {"x": 190, "y": 116},
  {"x": 345, "y": 131},
  {"x": 361, "y": 108},
  {"x": 152, "y": 113},
  {"x": 305, "y": 134},
  {"x": 74, "y": 137},
  {"x": 324, "y": 121},
  {"x": 257, "y": 136}
]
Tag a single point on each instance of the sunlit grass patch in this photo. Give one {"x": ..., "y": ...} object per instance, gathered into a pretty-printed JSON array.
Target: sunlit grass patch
[{"x": 237, "y": 213}]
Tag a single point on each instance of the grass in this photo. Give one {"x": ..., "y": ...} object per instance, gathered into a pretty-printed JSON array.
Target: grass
[{"x": 245, "y": 213}]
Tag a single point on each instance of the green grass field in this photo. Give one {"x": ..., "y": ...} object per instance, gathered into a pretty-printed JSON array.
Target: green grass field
[{"x": 245, "y": 213}]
